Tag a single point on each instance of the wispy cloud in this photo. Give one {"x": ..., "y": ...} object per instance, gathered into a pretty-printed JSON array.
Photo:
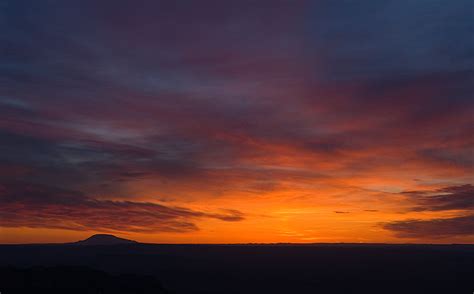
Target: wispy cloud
[
  {"x": 39, "y": 206},
  {"x": 456, "y": 198},
  {"x": 433, "y": 228},
  {"x": 447, "y": 198}
]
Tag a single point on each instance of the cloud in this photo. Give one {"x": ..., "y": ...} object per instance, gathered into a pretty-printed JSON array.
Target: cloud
[
  {"x": 433, "y": 228},
  {"x": 267, "y": 98},
  {"x": 40, "y": 206},
  {"x": 447, "y": 198},
  {"x": 443, "y": 199},
  {"x": 369, "y": 40}
]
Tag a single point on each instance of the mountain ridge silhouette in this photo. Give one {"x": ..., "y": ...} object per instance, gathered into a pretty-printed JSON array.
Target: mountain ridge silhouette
[{"x": 104, "y": 239}]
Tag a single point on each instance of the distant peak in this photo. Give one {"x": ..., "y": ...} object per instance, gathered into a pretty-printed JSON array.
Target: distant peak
[
  {"x": 104, "y": 239},
  {"x": 102, "y": 236}
]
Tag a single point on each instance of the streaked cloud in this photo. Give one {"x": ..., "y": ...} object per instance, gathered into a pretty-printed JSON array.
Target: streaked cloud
[
  {"x": 433, "y": 228},
  {"x": 38, "y": 206},
  {"x": 447, "y": 198}
]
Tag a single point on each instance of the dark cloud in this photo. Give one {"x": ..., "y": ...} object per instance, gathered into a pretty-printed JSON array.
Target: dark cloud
[
  {"x": 443, "y": 199},
  {"x": 338, "y": 211},
  {"x": 447, "y": 198},
  {"x": 39, "y": 206},
  {"x": 461, "y": 157},
  {"x": 77, "y": 161},
  {"x": 433, "y": 228},
  {"x": 370, "y": 40}
]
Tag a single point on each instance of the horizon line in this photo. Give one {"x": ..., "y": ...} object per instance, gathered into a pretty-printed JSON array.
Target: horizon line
[{"x": 243, "y": 244}]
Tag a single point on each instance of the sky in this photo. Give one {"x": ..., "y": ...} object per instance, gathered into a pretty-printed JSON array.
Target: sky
[{"x": 237, "y": 121}]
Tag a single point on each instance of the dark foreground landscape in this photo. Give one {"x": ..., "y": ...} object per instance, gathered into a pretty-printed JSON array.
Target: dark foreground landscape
[{"x": 283, "y": 268}]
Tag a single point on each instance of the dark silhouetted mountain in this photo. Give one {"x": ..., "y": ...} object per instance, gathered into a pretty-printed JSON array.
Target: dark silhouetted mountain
[
  {"x": 72, "y": 280},
  {"x": 104, "y": 239}
]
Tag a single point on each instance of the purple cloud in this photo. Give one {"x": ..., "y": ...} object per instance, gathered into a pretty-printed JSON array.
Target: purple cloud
[{"x": 433, "y": 228}]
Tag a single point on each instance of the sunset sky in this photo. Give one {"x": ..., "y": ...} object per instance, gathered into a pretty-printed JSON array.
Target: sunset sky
[{"x": 237, "y": 121}]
